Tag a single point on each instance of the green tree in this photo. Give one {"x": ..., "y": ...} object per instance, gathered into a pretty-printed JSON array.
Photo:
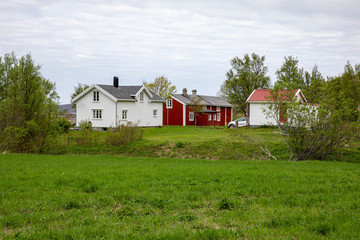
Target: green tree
[
  {"x": 290, "y": 76},
  {"x": 314, "y": 85},
  {"x": 245, "y": 75},
  {"x": 161, "y": 86},
  {"x": 77, "y": 90},
  {"x": 28, "y": 105}
]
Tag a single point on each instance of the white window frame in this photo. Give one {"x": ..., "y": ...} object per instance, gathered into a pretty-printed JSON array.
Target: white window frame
[
  {"x": 209, "y": 117},
  {"x": 155, "y": 112},
  {"x": 169, "y": 103},
  {"x": 191, "y": 116},
  {"x": 218, "y": 117},
  {"x": 218, "y": 109},
  {"x": 96, "y": 96},
  {"x": 141, "y": 97},
  {"x": 97, "y": 114},
  {"x": 124, "y": 114},
  {"x": 214, "y": 117}
]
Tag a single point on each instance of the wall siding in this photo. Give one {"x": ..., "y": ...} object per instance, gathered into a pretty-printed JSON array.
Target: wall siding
[{"x": 258, "y": 116}]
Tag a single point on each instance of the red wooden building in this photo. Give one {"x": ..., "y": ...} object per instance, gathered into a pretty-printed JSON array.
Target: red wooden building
[{"x": 179, "y": 110}]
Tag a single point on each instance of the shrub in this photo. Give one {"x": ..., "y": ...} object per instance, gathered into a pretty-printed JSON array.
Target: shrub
[
  {"x": 124, "y": 134},
  {"x": 63, "y": 125}
]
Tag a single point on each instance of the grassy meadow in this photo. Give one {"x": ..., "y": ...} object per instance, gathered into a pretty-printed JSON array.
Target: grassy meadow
[{"x": 112, "y": 197}]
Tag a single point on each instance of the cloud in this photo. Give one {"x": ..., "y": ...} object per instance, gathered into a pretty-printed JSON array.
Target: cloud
[{"x": 189, "y": 41}]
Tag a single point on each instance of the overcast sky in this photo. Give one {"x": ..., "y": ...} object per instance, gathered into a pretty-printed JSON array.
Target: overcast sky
[{"x": 190, "y": 42}]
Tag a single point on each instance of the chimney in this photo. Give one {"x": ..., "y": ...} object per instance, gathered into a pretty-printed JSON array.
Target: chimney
[
  {"x": 184, "y": 92},
  {"x": 116, "y": 81},
  {"x": 194, "y": 92}
]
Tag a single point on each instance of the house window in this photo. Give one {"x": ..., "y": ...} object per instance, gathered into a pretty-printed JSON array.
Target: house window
[
  {"x": 141, "y": 97},
  {"x": 169, "y": 103},
  {"x": 214, "y": 117},
  {"x": 96, "y": 96},
  {"x": 155, "y": 112},
  {"x": 209, "y": 117},
  {"x": 124, "y": 114},
  {"x": 218, "y": 116},
  {"x": 218, "y": 109},
  {"x": 97, "y": 114},
  {"x": 209, "y": 107},
  {"x": 191, "y": 116}
]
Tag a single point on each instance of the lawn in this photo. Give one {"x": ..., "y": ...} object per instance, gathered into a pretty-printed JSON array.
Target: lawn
[{"x": 112, "y": 197}]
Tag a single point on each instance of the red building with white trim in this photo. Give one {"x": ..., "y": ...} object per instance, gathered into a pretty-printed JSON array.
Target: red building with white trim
[{"x": 179, "y": 110}]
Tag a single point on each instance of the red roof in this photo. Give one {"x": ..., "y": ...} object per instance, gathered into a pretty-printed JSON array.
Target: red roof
[{"x": 264, "y": 95}]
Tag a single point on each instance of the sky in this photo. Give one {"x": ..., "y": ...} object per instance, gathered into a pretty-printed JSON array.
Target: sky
[{"x": 190, "y": 42}]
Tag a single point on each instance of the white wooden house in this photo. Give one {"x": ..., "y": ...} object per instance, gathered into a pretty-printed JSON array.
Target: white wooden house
[
  {"x": 111, "y": 105},
  {"x": 260, "y": 100}
]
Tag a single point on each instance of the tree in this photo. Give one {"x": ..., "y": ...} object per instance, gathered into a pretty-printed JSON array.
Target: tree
[
  {"x": 77, "y": 90},
  {"x": 311, "y": 131},
  {"x": 161, "y": 86},
  {"x": 27, "y": 103},
  {"x": 290, "y": 76},
  {"x": 197, "y": 106},
  {"x": 314, "y": 85},
  {"x": 245, "y": 75}
]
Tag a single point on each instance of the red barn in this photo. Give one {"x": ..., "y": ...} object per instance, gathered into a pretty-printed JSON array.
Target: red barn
[{"x": 181, "y": 109}]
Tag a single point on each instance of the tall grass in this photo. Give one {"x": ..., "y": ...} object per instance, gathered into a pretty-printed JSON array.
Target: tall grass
[{"x": 109, "y": 197}]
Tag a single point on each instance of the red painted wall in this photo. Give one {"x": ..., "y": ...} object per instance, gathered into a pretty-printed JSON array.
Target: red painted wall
[{"x": 174, "y": 115}]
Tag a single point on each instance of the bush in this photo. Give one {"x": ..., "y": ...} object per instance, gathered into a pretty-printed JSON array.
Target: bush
[
  {"x": 63, "y": 125},
  {"x": 123, "y": 134}
]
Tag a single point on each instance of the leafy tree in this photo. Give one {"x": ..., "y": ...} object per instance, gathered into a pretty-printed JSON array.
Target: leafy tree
[
  {"x": 314, "y": 85},
  {"x": 77, "y": 90},
  {"x": 290, "y": 76},
  {"x": 27, "y": 103},
  {"x": 245, "y": 75},
  {"x": 311, "y": 131},
  {"x": 197, "y": 106},
  {"x": 161, "y": 86}
]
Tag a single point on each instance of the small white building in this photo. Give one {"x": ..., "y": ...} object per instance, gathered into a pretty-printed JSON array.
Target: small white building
[
  {"x": 112, "y": 105},
  {"x": 259, "y": 101}
]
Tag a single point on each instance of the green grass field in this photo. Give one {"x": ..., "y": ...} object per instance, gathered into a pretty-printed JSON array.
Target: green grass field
[{"x": 112, "y": 197}]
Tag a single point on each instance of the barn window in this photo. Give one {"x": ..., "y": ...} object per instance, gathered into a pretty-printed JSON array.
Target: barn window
[
  {"x": 141, "y": 97},
  {"x": 214, "y": 117},
  {"x": 218, "y": 116},
  {"x": 218, "y": 109},
  {"x": 209, "y": 117},
  {"x": 169, "y": 103},
  {"x": 155, "y": 112},
  {"x": 191, "y": 116}
]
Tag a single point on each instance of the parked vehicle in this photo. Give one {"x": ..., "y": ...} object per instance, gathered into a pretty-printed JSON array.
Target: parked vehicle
[{"x": 241, "y": 122}]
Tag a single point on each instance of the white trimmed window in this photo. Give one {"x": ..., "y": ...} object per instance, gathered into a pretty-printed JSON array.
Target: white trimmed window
[
  {"x": 218, "y": 109},
  {"x": 169, "y": 103},
  {"x": 141, "y": 97},
  {"x": 155, "y": 112},
  {"x": 191, "y": 116},
  {"x": 214, "y": 117},
  {"x": 218, "y": 116},
  {"x": 124, "y": 114},
  {"x": 209, "y": 117},
  {"x": 96, "y": 96},
  {"x": 97, "y": 114}
]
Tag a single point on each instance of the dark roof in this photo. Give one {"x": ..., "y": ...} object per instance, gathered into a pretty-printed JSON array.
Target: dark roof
[
  {"x": 205, "y": 100},
  {"x": 127, "y": 92}
]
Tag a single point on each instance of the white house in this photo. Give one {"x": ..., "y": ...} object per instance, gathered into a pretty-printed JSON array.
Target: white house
[
  {"x": 111, "y": 105},
  {"x": 260, "y": 100}
]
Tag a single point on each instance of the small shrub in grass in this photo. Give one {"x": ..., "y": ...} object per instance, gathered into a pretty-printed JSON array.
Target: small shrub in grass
[
  {"x": 123, "y": 134},
  {"x": 180, "y": 144},
  {"x": 225, "y": 204}
]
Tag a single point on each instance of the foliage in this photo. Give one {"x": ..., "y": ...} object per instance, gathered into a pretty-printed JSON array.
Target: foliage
[
  {"x": 27, "y": 103},
  {"x": 310, "y": 131},
  {"x": 63, "y": 125},
  {"x": 161, "y": 86},
  {"x": 245, "y": 75},
  {"x": 113, "y": 197},
  {"x": 196, "y": 106},
  {"x": 77, "y": 90},
  {"x": 123, "y": 134},
  {"x": 314, "y": 90},
  {"x": 290, "y": 76}
]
